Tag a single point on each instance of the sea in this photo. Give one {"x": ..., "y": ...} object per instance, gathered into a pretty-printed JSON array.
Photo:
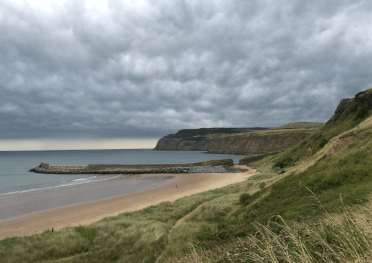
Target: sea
[{"x": 15, "y": 165}]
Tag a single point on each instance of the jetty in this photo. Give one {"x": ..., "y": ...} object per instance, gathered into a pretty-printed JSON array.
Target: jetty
[{"x": 215, "y": 166}]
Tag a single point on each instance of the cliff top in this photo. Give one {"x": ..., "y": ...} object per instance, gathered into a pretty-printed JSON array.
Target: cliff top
[
  {"x": 299, "y": 125},
  {"x": 217, "y": 132},
  {"x": 202, "y": 132},
  {"x": 288, "y": 129}
]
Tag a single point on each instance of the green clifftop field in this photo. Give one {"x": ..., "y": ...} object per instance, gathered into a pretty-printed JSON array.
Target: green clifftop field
[{"x": 309, "y": 203}]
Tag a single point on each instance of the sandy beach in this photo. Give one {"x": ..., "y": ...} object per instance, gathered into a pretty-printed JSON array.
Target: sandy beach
[{"x": 88, "y": 212}]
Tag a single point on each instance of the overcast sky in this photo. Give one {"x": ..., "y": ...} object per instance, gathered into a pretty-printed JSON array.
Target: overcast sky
[{"x": 107, "y": 70}]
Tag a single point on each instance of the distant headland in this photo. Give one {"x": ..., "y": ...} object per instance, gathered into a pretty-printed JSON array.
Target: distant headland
[{"x": 244, "y": 141}]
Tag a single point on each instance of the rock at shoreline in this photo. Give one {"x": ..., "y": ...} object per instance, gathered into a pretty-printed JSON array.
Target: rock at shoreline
[{"x": 44, "y": 165}]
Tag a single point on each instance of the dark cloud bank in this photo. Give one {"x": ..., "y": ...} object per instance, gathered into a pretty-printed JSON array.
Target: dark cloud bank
[{"x": 149, "y": 68}]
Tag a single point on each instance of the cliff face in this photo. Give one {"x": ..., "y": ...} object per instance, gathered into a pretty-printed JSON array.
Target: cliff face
[
  {"x": 195, "y": 139},
  {"x": 180, "y": 144},
  {"x": 255, "y": 144}
]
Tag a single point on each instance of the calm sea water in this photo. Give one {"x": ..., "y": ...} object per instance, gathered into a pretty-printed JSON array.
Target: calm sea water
[{"x": 14, "y": 166}]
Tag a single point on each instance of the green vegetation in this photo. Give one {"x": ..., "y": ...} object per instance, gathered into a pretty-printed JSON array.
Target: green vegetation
[
  {"x": 310, "y": 203},
  {"x": 227, "y": 162}
]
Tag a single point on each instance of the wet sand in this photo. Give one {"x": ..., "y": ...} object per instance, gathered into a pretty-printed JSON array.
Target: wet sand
[
  {"x": 21, "y": 204},
  {"x": 88, "y": 212}
]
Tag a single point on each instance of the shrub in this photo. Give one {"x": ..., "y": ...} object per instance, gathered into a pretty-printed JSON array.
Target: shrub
[
  {"x": 323, "y": 142},
  {"x": 283, "y": 163}
]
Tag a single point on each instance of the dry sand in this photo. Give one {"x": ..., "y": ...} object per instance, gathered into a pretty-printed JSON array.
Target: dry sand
[{"x": 82, "y": 214}]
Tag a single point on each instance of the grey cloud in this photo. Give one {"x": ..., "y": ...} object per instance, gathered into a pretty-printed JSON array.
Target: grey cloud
[{"x": 147, "y": 69}]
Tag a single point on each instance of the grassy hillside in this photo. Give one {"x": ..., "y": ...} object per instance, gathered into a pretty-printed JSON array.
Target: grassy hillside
[
  {"x": 310, "y": 203},
  {"x": 285, "y": 130}
]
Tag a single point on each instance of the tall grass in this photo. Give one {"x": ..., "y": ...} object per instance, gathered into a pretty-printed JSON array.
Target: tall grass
[{"x": 344, "y": 237}]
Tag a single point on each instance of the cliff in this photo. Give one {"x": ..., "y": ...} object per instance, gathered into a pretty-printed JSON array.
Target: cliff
[{"x": 195, "y": 139}]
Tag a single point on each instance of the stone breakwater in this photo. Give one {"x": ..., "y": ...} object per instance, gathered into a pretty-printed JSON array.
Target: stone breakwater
[
  {"x": 137, "y": 171},
  {"x": 173, "y": 170}
]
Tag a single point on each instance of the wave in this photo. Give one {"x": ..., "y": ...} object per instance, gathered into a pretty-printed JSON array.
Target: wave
[
  {"x": 74, "y": 182},
  {"x": 87, "y": 178}
]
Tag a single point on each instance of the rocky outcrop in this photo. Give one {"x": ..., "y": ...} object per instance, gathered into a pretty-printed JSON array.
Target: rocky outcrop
[
  {"x": 359, "y": 106},
  {"x": 255, "y": 143},
  {"x": 182, "y": 144},
  {"x": 195, "y": 139}
]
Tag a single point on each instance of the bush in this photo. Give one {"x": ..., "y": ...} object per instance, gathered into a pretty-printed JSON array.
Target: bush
[
  {"x": 283, "y": 163},
  {"x": 323, "y": 142}
]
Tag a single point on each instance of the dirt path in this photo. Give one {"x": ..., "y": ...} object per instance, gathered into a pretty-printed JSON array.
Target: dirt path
[{"x": 171, "y": 231}]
